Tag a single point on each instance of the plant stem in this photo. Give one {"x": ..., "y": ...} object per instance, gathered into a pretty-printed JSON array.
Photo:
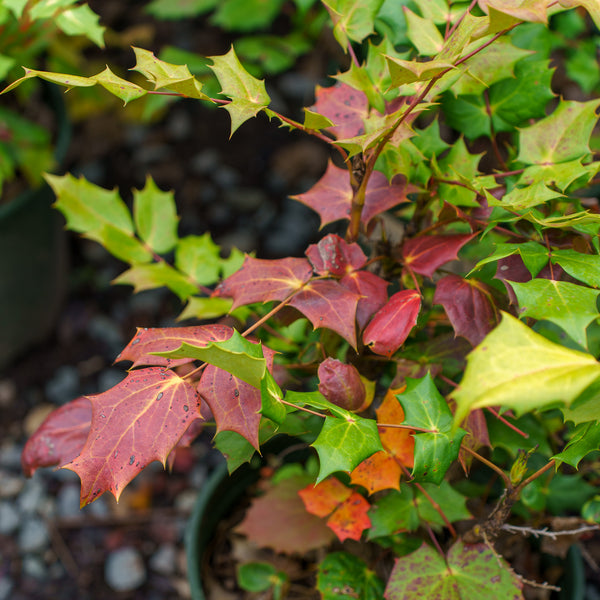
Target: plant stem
[
  {"x": 489, "y": 464},
  {"x": 531, "y": 478}
]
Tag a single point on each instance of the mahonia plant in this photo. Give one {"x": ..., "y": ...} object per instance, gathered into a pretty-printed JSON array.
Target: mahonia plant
[{"x": 455, "y": 321}]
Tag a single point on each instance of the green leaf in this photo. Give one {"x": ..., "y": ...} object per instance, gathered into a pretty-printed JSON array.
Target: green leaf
[
  {"x": 584, "y": 267},
  {"x": 149, "y": 277},
  {"x": 44, "y": 9},
  {"x": 459, "y": 162},
  {"x": 167, "y": 9},
  {"x": 429, "y": 141},
  {"x": 205, "y": 308},
  {"x": 591, "y": 6},
  {"x": 352, "y": 19},
  {"x": 394, "y": 512},
  {"x": 315, "y": 121},
  {"x": 69, "y": 81},
  {"x": 424, "y": 407},
  {"x": 342, "y": 575},
  {"x": 561, "y": 137},
  {"x": 6, "y": 64},
  {"x": 271, "y": 396},
  {"x": 259, "y": 577},
  {"x": 344, "y": 443},
  {"x": 468, "y": 571},
  {"x": 527, "y": 196},
  {"x": 123, "y": 89},
  {"x": 82, "y": 20},
  {"x": 404, "y": 71},
  {"x": 561, "y": 175},
  {"x": 155, "y": 217},
  {"x": 536, "y": 376},
  {"x": 248, "y": 94},
  {"x": 198, "y": 257},
  {"x": 534, "y": 256},
  {"x": 451, "y": 502},
  {"x": 121, "y": 244},
  {"x": 16, "y": 6},
  {"x": 166, "y": 75},
  {"x": 423, "y": 34},
  {"x": 570, "y": 306},
  {"x": 237, "y": 356},
  {"x": 585, "y": 439},
  {"x": 88, "y": 207},
  {"x": 467, "y": 114},
  {"x": 246, "y": 15}
]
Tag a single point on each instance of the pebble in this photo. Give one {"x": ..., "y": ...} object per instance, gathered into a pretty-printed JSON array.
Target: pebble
[
  {"x": 64, "y": 385},
  {"x": 33, "y": 566},
  {"x": 10, "y": 456},
  {"x": 33, "y": 536},
  {"x": 67, "y": 501},
  {"x": 10, "y": 485},
  {"x": 226, "y": 177},
  {"x": 32, "y": 495},
  {"x": 6, "y": 587},
  {"x": 124, "y": 569},
  {"x": 9, "y": 518},
  {"x": 164, "y": 560}
]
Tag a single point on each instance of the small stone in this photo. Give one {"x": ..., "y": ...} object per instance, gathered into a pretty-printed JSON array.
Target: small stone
[
  {"x": 6, "y": 586},
  {"x": 10, "y": 485},
  {"x": 226, "y": 177},
  {"x": 164, "y": 560},
  {"x": 67, "y": 501},
  {"x": 9, "y": 518},
  {"x": 64, "y": 385},
  {"x": 33, "y": 566},
  {"x": 31, "y": 496},
  {"x": 124, "y": 570},
  {"x": 186, "y": 500},
  {"x": 10, "y": 456},
  {"x": 33, "y": 536},
  {"x": 8, "y": 393}
]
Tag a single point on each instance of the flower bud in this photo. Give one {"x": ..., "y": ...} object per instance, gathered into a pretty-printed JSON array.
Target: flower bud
[{"x": 341, "y": 384}]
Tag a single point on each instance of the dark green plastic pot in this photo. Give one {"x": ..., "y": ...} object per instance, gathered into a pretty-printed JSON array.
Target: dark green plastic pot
[
  {"x": 33, "y": 257},
  {"x": 218, "y": 497}
]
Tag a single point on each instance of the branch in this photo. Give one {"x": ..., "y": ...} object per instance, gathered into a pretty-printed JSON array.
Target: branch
[{"x": 545, "y": 532}]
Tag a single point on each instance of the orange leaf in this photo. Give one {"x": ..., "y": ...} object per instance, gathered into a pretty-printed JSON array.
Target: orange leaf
[
  {"x": 350, "y": 519},
  {"x": 398, "y": 442},
  {"x": 322, "y": 499},
  {"x": 379, "y": 472}
]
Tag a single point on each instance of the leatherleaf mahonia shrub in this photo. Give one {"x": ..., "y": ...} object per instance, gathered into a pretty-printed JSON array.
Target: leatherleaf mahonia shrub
[{"x": 439, "y": 356}]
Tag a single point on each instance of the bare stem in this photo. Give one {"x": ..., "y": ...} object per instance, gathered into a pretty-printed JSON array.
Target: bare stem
[{"x": 489, "y": 464}]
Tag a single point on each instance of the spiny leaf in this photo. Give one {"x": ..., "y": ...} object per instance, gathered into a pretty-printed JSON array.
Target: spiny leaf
[
  {"x": 468, "y": 571},
  {"x": 391, "y": 324},
  {"x": 327, "y": 303},
  {"x": 570, "y": 306},
  {"x": 60, "y": 438},
  {"x": 236, "y": 355},
  {"x": 591, "y": 6},
  {"x": 138, "y": 421},
  {"x": 470, "y": 306},
  {"x": 166, "y": 75},
  {"x": 393, "y": 513},
  {"x": 261, "y": 280},
  {"x": 352, "y": 19},
  {"x": 248, "y": 94},
  {"x": 155, "y": 217},
  {"x": 533, "y": 255},
  {"x": 563, "y": 136},
  {"x": 331, "y": 196},
  {"x": 350, "y": 519},
  {"x": 378, "y": 472},
  {"x": 344, "y": 106},
  {"x": 81, "y": 20},
  {"x": 343, "y": 443},
  {"x": 423, "y": 34},
  {"x": 142, "y": 349},
  {"x": 585, "y": 439},
  {"x": 198, "y": 257},
  {"x": 323, "y": 498},
  {"x": 148, "y": 277},
  {"x": 426, "y": 253},
  {"x": 399, "y": 443},
  {"x": 425, "y": 408},
  {"x": 584, "y": 267},
  {"x": 404, "y": 71},
  {"x": 535, "y": 377},
  {"x": 121, "y": 88}
]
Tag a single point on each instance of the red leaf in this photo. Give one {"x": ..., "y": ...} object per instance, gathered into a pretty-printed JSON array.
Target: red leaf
[
  {"x": 334, "y": 256},
  {"x": 391, "y": 324},
  {"x": 350, "y": 519},
  {"x": 331, "y": 196},
  {"x": 324, "y": 497},
  {"x": 327, "y": 303},
  {"x": 341, "y": 384},
  {"x": 191, "y": 433},
  {"x": 425, "y": 253},
  {"x": 140, "y": 348},
  {"x": 381, "y": 195},
  {"x": 380, "y": 471},
  {"x": 60, "y": 438},
  {"x": 344, "y": 106},
  {"x": 264, "y": 280},
  {"x": 278, "y": 520},
  {"x": 469, "y": 305},
  {"x": 136, "y": 422},
  {"x": 373, "y": 292},
  {"x": 234, "y": 403}
]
